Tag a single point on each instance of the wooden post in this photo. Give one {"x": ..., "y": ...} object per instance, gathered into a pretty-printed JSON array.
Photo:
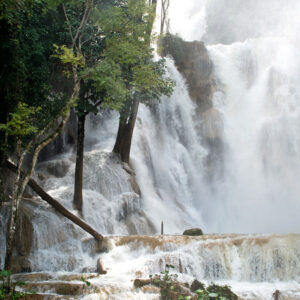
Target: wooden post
[
  {"x": 162, "y": 228},
  {"x": 276, "y": 295}
]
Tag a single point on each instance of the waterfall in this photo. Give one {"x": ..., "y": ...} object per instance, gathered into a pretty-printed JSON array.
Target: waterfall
[
  {"x": 254, "y": 49},
  {"x": 249, "y": 186}
]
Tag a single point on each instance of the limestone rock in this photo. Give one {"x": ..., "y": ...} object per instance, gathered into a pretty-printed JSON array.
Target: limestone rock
[
  {"x": 192, "y": 60},
  {"x": 197, "y": 285},
  {"x": 100, "y": 268},
  {"x": 25, "y": 228},
  {"x": 193, "y": 232},
  {"x": 89, "y": 270},
  {"x": 65, "y": 140},
  {"x": 57, "y": 168}
]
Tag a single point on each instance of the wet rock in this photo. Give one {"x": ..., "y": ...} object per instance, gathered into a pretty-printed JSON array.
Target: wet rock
[
  {"x": 100, "y": 268},
  {"x": 150, "y": 289},
  {"x": 142, "y": 282},
  {"x": 41, "y": 177},
  {"x": 130, "y": 204},
  {"x": 32, "y": 277},
  {"x": 197, "y": 285},
  {"x": 76, "y": 277},
  {"x": 225, "y": 291},
  {"x": 134, "y": 185},
  {"x": 61, "y": 288},
  {"x": 89, "y": 270},
  {"x": 57, "y": 168},
  {"x": 193, "y": 232},
  {"x": 192, "y": 60},
  {"x": 26, "y": 266},
  {"x": 25, "y": 229},
  {"x": 64, "y": 141}
]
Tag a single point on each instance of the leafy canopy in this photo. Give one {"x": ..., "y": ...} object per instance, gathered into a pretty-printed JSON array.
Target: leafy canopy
[
  {"x": 127, "y": 69},
  {"x": 20, "y": 123}
]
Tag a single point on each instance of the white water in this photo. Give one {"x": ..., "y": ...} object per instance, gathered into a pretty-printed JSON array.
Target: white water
[{"x": 254, "y": 48}]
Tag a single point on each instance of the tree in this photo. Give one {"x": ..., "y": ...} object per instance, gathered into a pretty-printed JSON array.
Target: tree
[
  {"x": 90, "y": 98},
  {"x": 128, "y": 32},
  {"x": 125, "y": 28},
  {"x": 20, "y": 129},
  {"x": 26, "y": 65},
  {"x": 164, "y": 21}
]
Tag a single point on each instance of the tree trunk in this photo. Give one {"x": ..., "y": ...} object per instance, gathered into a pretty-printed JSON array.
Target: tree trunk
[
  {"x": 125, "y": 132},
  {"x": 126, "y": 126},
  {"x": 77, "y": 200},
  {"x": 13, "y": 216},
  {"x": 60, "y": 208},
  {"x": 22, "y": 179}
]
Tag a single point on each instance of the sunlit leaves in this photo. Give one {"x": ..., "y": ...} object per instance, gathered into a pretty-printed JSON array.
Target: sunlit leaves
[
  {"x": 67, "y": 56},
  {"x": 107, "y": 78},
  {"x": 20, "y": 123}
]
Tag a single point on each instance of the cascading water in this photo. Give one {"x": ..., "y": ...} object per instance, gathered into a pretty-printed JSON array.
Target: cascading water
[{"x": 253, "y": 47}]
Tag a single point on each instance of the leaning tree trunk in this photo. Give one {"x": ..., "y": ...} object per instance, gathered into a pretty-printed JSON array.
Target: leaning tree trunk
[
  {"x": 57, "y": 206},
  {"x": 125, "y": 132},
  {"x": 21, "y": 180},
  {"x": 77, "y": 199}
]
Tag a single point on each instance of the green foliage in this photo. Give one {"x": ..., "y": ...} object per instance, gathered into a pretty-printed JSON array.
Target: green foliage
[
  {"x": 26, "y": 44},
  {"x": 170, "y": 288},
  {"x": 20, "y": 123},
  {"x": 108, "y": 82},
  {"x": 9, "y": 9},
  {"x": 126, "y": 29},
  {"x": 86, "y": 282},
  {"x": 67, "y": 56},
  {"x": 217, "y": 292},
  {"x": 166, "y": 281},
  {"x": 8, "y": 288}
]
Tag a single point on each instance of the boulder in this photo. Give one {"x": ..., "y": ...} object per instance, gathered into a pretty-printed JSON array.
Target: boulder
[
  {"x": 100, "y": 268},
  {"x": 57, "y": 168},
  {"x": 197, "y": 285},
  {"x": 89, "y": 270},
  {"x": 193, "y": 232}
]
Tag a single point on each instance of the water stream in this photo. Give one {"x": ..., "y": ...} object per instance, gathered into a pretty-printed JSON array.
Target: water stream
[{"x": 254, "y": 47}]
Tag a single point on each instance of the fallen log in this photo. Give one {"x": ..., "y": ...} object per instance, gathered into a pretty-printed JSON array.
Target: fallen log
[{"x": 57, "y": 206}]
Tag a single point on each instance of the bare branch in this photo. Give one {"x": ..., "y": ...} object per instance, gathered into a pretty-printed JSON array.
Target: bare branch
[
  {"x": 83, "y": 20},
  {"x": 69, "y": 25}
]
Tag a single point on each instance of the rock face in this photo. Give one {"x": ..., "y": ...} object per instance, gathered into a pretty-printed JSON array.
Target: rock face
[
  {"x": 66, "y": 140},
  {"x": 24, "y": 235},
  {"x": 193, "y": 232},
  {"x": 193, "y": 62},
  {"x": 57, "y": 168}
]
